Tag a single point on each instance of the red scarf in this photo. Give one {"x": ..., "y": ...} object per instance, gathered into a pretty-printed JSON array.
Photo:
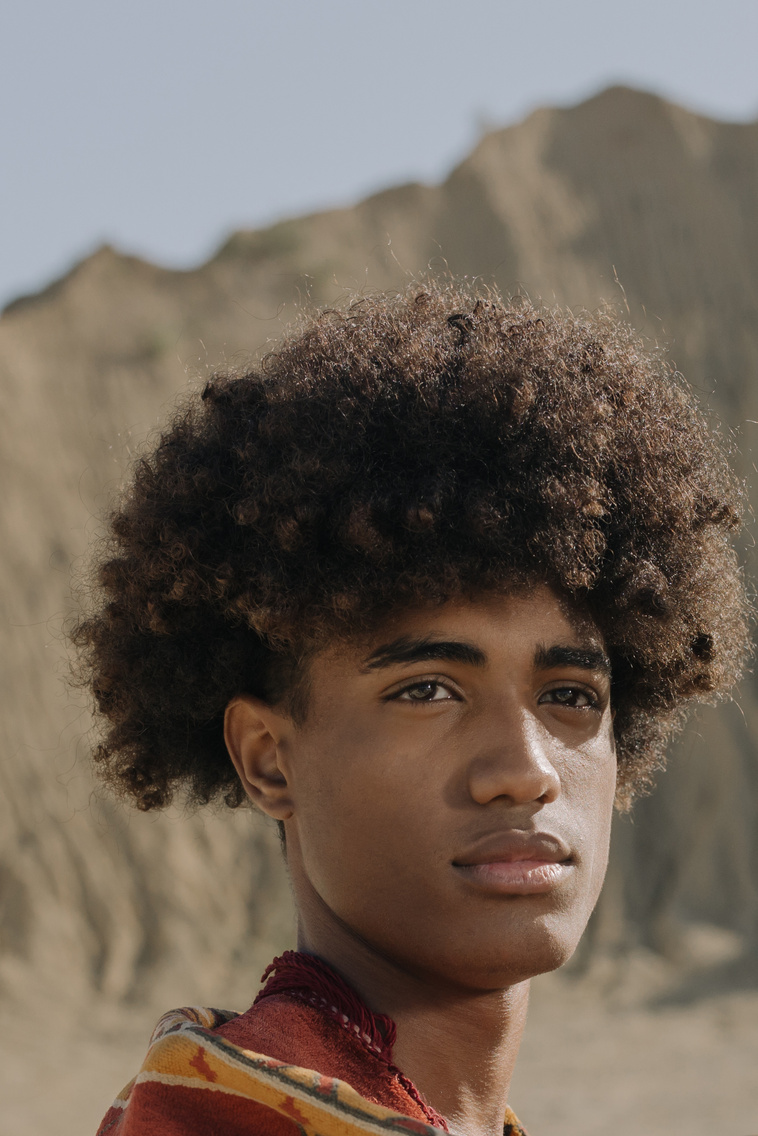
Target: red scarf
[{"x": 308, "y": 978}]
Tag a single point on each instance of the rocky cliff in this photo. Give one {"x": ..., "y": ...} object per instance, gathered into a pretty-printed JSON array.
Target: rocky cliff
[{"x": 624, "y": 198}]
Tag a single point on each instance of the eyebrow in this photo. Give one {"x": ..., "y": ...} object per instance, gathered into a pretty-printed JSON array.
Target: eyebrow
[
  {"x": 425, "y": 649},
  {"x": 409, "y": 649},
  {"x": 586, "y": 658}
]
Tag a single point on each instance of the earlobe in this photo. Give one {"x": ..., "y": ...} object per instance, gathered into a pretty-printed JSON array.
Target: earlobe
[{"x": 254, "y": 734}]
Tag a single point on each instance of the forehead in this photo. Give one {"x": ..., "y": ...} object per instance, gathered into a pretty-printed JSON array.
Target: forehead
[
  {"x": 498, "y": 612},
  {"x": 492, "y": 622}
]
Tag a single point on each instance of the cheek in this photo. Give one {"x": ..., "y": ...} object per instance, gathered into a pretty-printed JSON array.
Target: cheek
[
  {"x": 362, "y": 766},
  {"x": 367, "y": 827},
  {"x": 348, "y": 793},
  {"x": 589, "y": 786}
]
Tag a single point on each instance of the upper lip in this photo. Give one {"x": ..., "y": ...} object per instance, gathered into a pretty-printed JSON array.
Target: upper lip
[{"x": 512, "y": 846}]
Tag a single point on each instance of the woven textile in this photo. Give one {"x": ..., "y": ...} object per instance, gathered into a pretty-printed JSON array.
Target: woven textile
[{"x": 195, "y": 1083}]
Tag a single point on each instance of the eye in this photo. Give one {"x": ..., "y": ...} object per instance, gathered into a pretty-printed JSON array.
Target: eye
[
  {"x": 575, "y": 697},
  {"x": 428, "y": 690}
]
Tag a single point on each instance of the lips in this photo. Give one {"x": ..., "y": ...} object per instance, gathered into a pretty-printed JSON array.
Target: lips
[{"x": 516, "y": 863}]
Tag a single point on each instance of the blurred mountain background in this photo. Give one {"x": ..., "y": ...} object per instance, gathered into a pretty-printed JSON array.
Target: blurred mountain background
[{"x": 106, "y": 915}]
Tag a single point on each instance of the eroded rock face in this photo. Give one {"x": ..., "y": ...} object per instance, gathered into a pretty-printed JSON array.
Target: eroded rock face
[{"x": 624, "y": 198}]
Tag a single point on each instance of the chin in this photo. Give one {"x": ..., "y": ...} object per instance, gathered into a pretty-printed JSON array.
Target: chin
[{"x": 536, "y": 950}]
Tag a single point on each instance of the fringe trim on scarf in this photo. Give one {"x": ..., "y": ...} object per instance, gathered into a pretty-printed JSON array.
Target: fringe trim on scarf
[{"x": 313, "y": 981}]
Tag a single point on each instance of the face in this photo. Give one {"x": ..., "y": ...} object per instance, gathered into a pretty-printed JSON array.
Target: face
[{"x": 449, "y": 794}]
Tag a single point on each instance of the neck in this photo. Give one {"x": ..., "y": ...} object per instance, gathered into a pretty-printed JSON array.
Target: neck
[
  {"x": 457, "y": 1045},
  {"x": 460, "y": 1050}
]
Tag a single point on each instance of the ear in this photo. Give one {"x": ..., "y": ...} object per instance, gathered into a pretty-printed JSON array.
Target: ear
[{"x": 255, "y": 736}]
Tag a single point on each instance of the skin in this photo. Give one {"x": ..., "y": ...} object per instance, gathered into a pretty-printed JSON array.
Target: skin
[{"x": 447, "y": 805}]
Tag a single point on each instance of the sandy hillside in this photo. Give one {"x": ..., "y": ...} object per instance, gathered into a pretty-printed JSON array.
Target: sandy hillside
[{"x": 120, "y": 915}]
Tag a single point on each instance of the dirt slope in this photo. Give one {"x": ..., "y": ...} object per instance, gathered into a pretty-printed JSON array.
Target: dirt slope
[{"x": 622, "y": 187}]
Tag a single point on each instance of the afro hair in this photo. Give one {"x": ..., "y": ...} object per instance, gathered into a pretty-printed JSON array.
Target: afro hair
[{"x": 402, "y": 451}]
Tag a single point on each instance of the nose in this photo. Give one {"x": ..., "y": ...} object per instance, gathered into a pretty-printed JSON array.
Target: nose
[{"x": 514, "y": 762}]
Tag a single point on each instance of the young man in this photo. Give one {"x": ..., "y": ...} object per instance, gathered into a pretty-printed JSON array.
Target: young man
[{"x": 429, "y": 587}]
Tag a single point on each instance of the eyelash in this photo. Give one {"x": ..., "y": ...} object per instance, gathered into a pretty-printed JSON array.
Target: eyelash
[
  {"x": 593, "y": 701},
  {"x": 436, "y": 683}
]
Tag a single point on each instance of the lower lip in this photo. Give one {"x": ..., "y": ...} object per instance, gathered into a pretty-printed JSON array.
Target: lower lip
[{"x": 517, "y": 877}]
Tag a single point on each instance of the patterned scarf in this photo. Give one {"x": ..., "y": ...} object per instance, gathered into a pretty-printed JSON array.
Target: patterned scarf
[{"x": 194, "y": 1082}]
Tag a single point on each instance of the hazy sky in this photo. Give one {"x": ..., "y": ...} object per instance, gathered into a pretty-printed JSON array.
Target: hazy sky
[{"x": 160, "y": 126}]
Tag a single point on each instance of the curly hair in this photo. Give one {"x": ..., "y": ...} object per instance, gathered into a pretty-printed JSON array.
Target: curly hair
[{"x": 402, "y": 451}]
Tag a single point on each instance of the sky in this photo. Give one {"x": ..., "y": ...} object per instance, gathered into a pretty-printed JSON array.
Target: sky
[{"x": 160, "y": 126}]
